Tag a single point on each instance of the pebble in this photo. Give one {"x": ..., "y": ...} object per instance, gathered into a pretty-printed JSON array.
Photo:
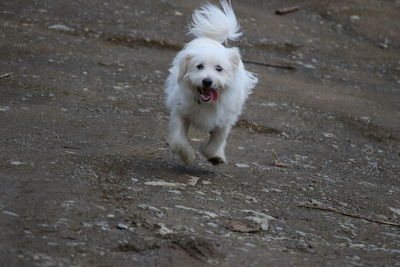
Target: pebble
[
  {"x": 17, "y": 163},
  {"x": 355, "y": 17},
  {"x": 268, "y": 190},
  {"x": 385, "y": 43},
  {"x": 193, "y": 180},
  {"x": 242, "y": 165},
  {"x": 175, "y": 192},
  {"x": 250, "y": 199},
  {"x": 61, "y": 27},
  {"x": 213, "y": 225},
  {"x": 165, "y": 184},
  {"x": 397, "y": 211},
  {"x": 269, "y": 104},
  {"x": 164, "y": 230},
  {"x": 118, "y": 88},
  {"x": 5, "y": 108},
  {"x": 103, "y": 224},
  {"x": 148, "y": 207},
  {"x": 259, "y": 218},
  {"x": 301, "y": 233},
  {"x": 328, "y": 135},
  {"x": 122, "y": 226},
  {"x": 207, "y": 213},
  {"x": 10, "y": 213}
]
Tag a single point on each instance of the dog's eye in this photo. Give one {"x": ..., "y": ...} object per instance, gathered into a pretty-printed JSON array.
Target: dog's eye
[
  {"x": 200, "y": 67},
  {"x": 218, "y": 68}
]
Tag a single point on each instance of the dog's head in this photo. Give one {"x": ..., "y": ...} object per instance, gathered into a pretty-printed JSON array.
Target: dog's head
[{"x": 208, "y": 70}]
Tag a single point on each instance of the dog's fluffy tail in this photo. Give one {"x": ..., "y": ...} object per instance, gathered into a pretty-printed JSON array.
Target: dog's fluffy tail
[{"x": 218, "y": 24}]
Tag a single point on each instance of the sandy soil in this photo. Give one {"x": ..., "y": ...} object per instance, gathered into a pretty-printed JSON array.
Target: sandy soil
[{"x": 86, "y": 178}]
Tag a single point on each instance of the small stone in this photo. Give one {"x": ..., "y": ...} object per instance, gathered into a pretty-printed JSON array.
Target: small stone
[
  {"x": 241, "y": 227},
  {"x": 250, "y": 199},
  {"x": 328, "y": 135},
  {"x": 259, "y": 218},
  {"x": 17, "y": 163},
  {"x": 242, "y": 165},
  {"x": 365, "y": 118},
  {"x": 164, "y": 230},
  {"x": 103, "y": 225},
  {"x": 355, "y": 17},
  {"x": 193, "y": 180},
  {"x": 269, "y": 104},
  {"x": 301, "y": 233},
  {"x": 385, "y": 43},
  {"x": 151, "y": 208},
  {"x": 202, "y": 212},
  {"x": 213, "y": 225},
  {"x": 357, "y": 245},
  {"x": 118, "y": 88},
  {"x": 165, "y": 184},
  {"x": 10, "y": 213},
  {"x": 397, "y": 211},
  {"x": 175, "y": 192},
  {"x": 122, "y": 226},
  {"x": 61, "y": 27}
]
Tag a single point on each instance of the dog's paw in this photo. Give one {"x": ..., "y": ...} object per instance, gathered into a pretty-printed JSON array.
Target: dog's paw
[
  {"x": 216, "y": 161},
  {"x": 185, "y": 152},
  {"x": 213, "y": 157}
]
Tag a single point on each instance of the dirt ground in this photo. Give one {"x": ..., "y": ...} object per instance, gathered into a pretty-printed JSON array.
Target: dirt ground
[{"x": 86, "y": 178}]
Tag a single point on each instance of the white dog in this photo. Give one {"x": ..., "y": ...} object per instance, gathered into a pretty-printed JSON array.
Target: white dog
[{"x": 208, "y": 84}]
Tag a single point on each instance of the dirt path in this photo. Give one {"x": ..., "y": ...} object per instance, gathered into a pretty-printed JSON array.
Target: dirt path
[{"x": 86, "y": 177}]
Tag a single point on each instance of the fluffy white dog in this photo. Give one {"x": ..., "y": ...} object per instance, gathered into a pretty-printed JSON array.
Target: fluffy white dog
[{"x": 208, "y": 84}]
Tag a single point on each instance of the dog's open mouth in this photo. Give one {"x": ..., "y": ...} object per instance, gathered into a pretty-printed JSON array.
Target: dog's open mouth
[{"x": 207, "y": 94}]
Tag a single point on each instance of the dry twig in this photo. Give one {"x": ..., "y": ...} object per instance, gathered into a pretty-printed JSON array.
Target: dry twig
[
  {"x": 284, "y": 11},
  {"x": 279, "y": 66},
  {"x": 347, "y": 214},
  {"x": 277, "y": 162}
]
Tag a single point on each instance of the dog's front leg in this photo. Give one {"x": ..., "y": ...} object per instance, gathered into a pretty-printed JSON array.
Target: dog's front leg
[
  {"x": 214, "y": 150},
  {"x": 178, "y": 140}
]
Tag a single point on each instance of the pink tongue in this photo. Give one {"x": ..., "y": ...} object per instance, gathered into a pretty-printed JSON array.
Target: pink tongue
[{"x": 214, "y": 95}]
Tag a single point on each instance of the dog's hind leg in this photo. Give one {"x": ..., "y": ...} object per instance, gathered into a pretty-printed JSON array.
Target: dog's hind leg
[
  {"x": 178, "y": 140},
  {"x": 214, "y": 150}
]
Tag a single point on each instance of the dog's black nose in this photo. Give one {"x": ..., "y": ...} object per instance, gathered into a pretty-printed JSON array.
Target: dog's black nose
[{"x": 207, "y": 82}]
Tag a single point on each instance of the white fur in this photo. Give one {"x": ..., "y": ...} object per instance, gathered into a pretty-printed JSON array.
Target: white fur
[
  {"x": 214, "y": 23},
  {"x": 211, "y": 26}
]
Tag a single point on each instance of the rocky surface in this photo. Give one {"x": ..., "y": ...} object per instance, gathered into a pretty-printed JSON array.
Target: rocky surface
[{"x": 86, "y": 178}]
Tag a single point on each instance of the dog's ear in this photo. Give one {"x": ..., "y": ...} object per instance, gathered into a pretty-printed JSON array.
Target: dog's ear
[
  {"x": 234, "y": 56},
  {"x": 184, "y": 66}
]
